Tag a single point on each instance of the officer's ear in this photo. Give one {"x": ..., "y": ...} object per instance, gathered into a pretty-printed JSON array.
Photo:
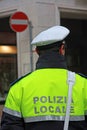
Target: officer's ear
[
  {"x": 37, "y": 51},
  {"x": 62, "y": 50}
]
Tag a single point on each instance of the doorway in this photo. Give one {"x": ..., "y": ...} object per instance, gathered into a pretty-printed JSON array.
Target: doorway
[
  {"x": 76, "y": 53},
  {"x": 8, "y": 57}
]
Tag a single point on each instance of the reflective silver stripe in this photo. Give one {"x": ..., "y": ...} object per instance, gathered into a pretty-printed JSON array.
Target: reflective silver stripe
[
  {"x": 56, "y": 118},
  {"x": 12, "y": 112}
]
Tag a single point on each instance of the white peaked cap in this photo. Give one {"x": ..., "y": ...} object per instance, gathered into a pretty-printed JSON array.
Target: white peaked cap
[{"x": 51, "y": 35}]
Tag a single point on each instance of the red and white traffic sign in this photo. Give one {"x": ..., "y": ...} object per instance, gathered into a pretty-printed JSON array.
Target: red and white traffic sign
[{"x": 19, "y": 21}]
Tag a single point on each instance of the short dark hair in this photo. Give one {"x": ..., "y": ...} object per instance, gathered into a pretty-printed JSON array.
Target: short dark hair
[{"x": 51, "y": 47}]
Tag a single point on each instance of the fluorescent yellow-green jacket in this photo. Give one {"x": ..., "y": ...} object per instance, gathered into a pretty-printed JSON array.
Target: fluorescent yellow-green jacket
[{"x": 42, "y": 95}]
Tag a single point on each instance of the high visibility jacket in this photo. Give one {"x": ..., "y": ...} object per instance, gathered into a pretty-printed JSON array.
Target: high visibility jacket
[{"x": 42, "y": 96}]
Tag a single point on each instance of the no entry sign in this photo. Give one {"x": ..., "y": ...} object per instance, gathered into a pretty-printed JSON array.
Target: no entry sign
[{"x": 19, "y": 21}]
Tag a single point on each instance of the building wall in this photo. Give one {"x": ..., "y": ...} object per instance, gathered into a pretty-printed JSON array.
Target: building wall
[{"x": 42, "y": 14}]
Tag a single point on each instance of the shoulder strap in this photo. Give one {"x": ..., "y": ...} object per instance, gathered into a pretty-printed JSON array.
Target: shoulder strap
[{"x": 70, "y": 82}]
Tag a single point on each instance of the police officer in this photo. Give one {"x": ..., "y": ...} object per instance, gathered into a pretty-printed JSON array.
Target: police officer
[{"x": 38, "y": 100}]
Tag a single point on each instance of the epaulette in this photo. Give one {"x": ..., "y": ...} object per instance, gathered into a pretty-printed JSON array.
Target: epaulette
[
  {"x": 85, "y": 76},
  {"x": 15, "y": 81}
]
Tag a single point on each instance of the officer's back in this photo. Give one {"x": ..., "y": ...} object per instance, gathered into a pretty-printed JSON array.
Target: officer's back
[{"x": 38, "y": 100}]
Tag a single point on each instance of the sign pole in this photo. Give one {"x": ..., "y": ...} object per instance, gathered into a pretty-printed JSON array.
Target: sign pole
[{"x": 30, "y": 36}]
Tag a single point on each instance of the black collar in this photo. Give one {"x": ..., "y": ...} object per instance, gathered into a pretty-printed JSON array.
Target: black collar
[{"x": 51, "y": 60}]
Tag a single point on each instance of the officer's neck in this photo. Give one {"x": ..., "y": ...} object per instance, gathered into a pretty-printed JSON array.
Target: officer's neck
[{"x": 51, "y": 60}]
